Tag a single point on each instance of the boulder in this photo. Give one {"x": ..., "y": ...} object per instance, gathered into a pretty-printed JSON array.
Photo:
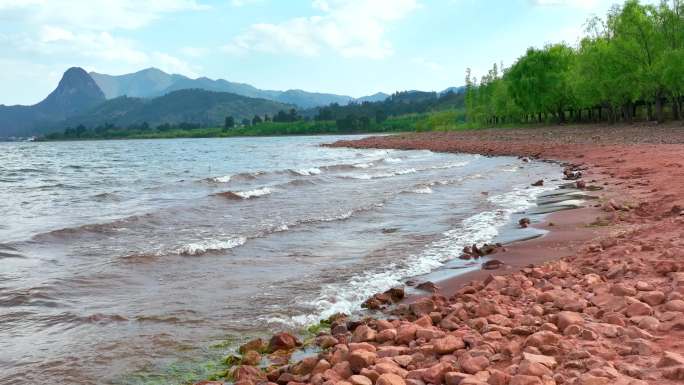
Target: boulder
[
  {"x": 360, "y": 359},
  {"x": 422, "y": 306},
  {"x": 448, "y": 344},
  {"x": 282, "y": 341},
  {"x": 675, "y": 305},
  {"x": 390, "y": 379},
  {"x": 638, "y": 308},
  {"x": 359, "y": 380},
  {"x": 521, "y": 379},
  {"x": 567, "y": 318},
  {"x": 548, "y": 361},
  {"x": 472, "y": 365},
  {"x": 363, "y": 333}
]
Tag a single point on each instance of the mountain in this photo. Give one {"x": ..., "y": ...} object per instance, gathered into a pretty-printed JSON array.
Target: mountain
[
  {"x": 183, "y": 106},
  {"x": 377, "y": 97},
  {"x": 75, "y": 93},
  {"x": 152, "y": 82}
]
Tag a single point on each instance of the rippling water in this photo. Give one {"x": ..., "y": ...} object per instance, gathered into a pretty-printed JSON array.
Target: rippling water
[{"x": 119, "y": 257}]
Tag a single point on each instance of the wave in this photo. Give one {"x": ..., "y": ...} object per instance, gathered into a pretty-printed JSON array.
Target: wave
[
  {"x": 249, "y": 194},
  {"x": 95, "y": 228},
  {"x": 203, "y": 247},
  {"x": 220, "y": 179},
  {"x": 307, "y": 171},
  {"x": 346, "y": 297},
  {"x": 422, "y": 190},
  {"x": 392, "y": 160},
  {"x": 382, "y": 175}
]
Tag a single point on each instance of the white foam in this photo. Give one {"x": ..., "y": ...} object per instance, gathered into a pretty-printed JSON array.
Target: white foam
[
  {"x": 308, "y": 171},
  {"x": 423, "y": 190},
  {"x": 392, "y": 160},
  {"x": 385, "y": 174},
  {"x": 221, "y": 179},
  {"x": 347, "y": 297},
  {"x": 254, "y": 193},
  {"x": 202, "y": 247},
  {"x": 363, "y": 165}
]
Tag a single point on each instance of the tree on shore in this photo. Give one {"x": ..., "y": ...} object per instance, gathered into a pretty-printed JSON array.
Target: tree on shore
[
  {"x": 630, "y": 65},
  {"x": 229, "y": 123}
]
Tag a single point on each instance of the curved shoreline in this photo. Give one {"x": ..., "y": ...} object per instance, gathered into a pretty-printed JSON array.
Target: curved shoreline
[{"x": 591, "y": 302}]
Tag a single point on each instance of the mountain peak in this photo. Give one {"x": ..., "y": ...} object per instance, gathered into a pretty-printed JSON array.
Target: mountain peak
[{"x": 75, "y": 92}]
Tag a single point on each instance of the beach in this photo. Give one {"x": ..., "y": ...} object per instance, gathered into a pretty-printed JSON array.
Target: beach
[{"x": 599, "y": 299}]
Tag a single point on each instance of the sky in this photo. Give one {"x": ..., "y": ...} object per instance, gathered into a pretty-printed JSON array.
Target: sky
[{"x": 350, "y": 47}]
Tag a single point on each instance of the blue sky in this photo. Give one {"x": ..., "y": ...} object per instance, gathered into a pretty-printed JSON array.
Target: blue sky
[{"x": 352, "y": 47}]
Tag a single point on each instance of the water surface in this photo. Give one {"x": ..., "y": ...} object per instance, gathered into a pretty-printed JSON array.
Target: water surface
[{"x": 125, "y": 256}]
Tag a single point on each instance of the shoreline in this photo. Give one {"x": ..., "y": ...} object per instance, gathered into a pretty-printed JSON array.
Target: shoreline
[{"x": 590, "y": 302}]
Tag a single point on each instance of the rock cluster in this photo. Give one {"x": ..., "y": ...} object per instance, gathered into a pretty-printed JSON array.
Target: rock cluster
[{"x": 613, "y": 316}]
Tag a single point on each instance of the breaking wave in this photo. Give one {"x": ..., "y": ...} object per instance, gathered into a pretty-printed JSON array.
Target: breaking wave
[{"x": 346, "y": 297}]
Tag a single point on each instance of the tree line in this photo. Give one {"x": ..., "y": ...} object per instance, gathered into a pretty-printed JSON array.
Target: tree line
[{"x": 630, "y": 65}]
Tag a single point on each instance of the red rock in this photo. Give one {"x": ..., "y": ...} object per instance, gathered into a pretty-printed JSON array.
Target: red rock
[
  {"x": 533, "y": 369},
  {"x": 671, "y": 359},
  {"x": 360, "y": 359},
  {"x": 390, "y": 379},
  {"x": 326, "y": 341},
  {"x": 588, "y": 379},
  {"x": 422, "y": 306},
  {"x": 257, "y": 345},
  {"x": 343, "y": 369},
  {"x": 644, "y": 286},
  {"x": 472, "y": 365},
  {"x": 424, "y": 322},
  {"x": 403, "y": 360},
  {"x": 435, "y": 373},
  {"x": 674, "y": 373},
  {"x": 251, "y": 358},
  {"x": 638, "y": 308},
  {"x": 363, "y": 333},
  {"x": 653, "y": 298},
  {"x": 390, "y": 367},
  {"x": 361, "y": 346},
  {"x": 391, "y": 351},
  {"x": 321, "y": 367},
  {"x": 548, "y": 361},
  {"x": 675, "y": 305},
  {"x": 448, "y": 344},
  {"x": 542, "y": 338},
  {"x": 497, "y": 377},
  {"x": 567, "y": 318},
  {"x": 621, "y": 289},
  {"x": 406, "y": 333},
  {"x": 247, "y": 373},
  {"x": 305, "y": 366},
  {"x": 282, "y": 341},
  {"x": 492, "y": 264},
  {"x": 387, "y": 335},
  {"x": 360, "y": 380},
  {"x": 455, "y": 378},
  {"x": 520, "y": 379},
  {"x": 370, "y": 373}
]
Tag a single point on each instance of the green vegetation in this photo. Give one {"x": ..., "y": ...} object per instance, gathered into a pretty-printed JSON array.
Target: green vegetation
[
  {"x": 406, "y": 111},
  {"x": 630, "y": 66}
]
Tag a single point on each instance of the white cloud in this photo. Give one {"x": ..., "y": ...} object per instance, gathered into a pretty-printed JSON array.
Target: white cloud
[
  {"x": 353, "y": 28},
  {"x": 585, "y": 4},
  {"x": 94, "y": 14},
  {"x": 242, "y": 3}
]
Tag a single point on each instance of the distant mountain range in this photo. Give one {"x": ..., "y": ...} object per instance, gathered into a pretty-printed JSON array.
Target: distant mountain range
[
  {"x": 76, "y": 92},
  {"x": 156, "y": 97},
  {"x": 152, "y": 82}
]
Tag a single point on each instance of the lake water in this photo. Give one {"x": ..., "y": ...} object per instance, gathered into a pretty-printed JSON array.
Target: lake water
[{"x": 125, "y": 257}]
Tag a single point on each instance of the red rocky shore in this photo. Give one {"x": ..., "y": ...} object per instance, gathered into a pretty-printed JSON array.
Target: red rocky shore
[{"x": 610, "y": 311}]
